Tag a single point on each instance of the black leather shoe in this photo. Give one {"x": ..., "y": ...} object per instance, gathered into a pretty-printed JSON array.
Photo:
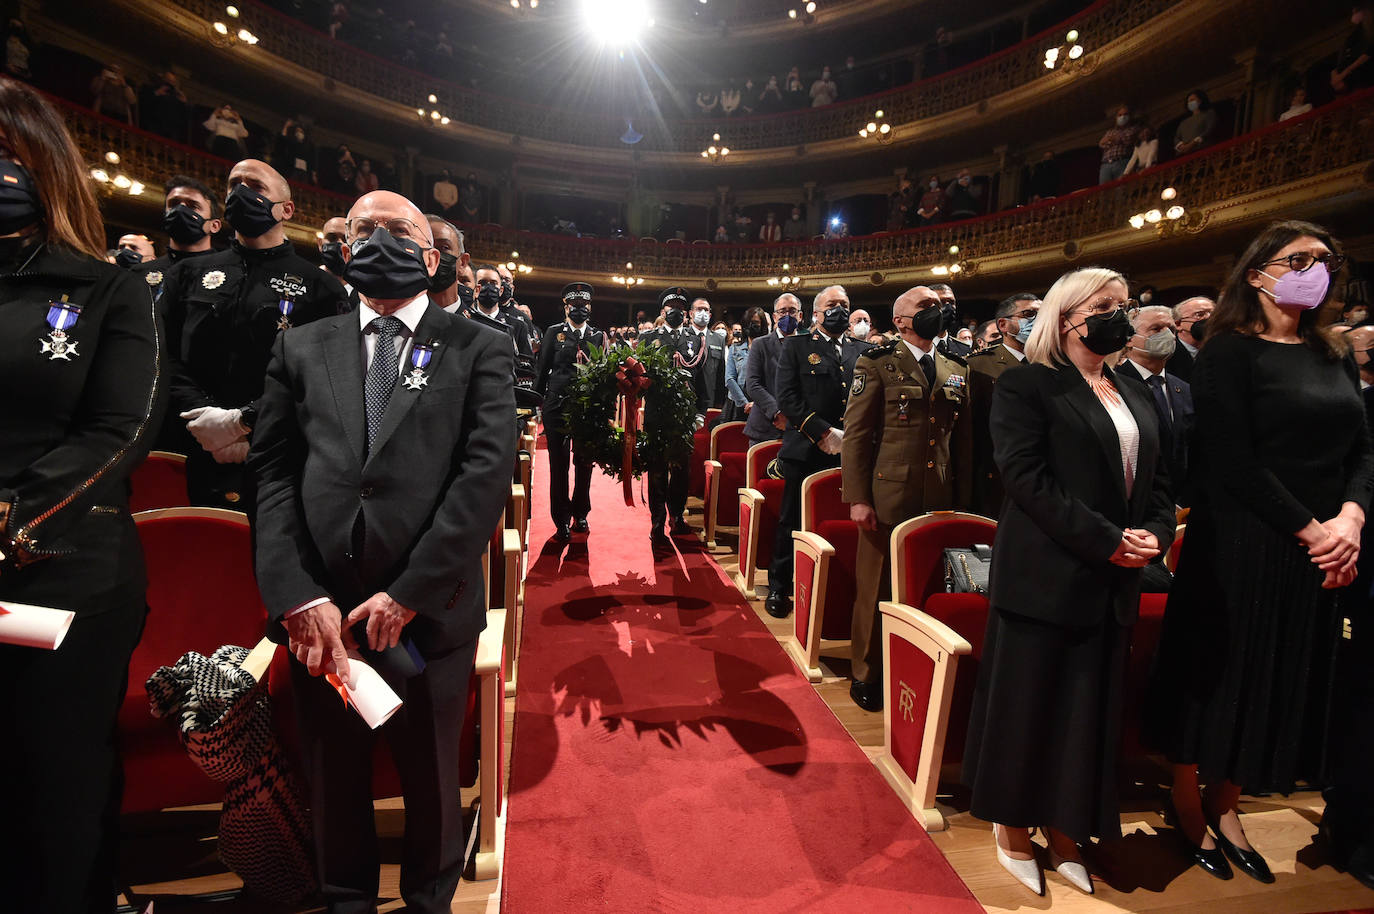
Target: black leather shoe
[
  {"x": 1248, "y": 862},
  {"x": 681, "y": 527},
  {"x": 581, "y": 526},
  {"x": 1213, "y": 862},
  {"x": 778, "y": 606},
  {"x": 562, "y": 534},
  {"x": 659, "y": 539},
  {"x": 1348, "y": 857},
  {"x": 867, "y": 695}
]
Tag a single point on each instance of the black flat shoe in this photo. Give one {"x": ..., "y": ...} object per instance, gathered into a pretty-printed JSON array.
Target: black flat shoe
[
  {"x": 778, "y": 607},
  {"x": 1248, "y": 862},
  {"x": 1354, "y": 859},
  {"x": 867, "y": 695},
  {"x": 1213, "y": 862}
]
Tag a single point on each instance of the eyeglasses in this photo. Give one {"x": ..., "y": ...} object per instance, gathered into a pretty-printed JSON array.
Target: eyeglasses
[
  {"x": 1107, "y": 306},
  {"x": 1302, "y": 261},
  {"x": 399, "y": 227},
  {"x": 1026, "y": 315}
]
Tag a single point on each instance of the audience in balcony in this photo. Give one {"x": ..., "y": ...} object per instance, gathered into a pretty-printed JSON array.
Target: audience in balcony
[
  {"x": 17, "y": 50},
  {"x": 1117, "y": 144},
  {"x": 964, "y": 198},
  {"x": 770, "y": 232},
  {"x": 294, "y": 155},
  {"x": 1353, "y": 70},
  {"x": 344, "y": 171},
  {"x": 1146, "y": 152},
  {"x": 112, "y": 94},
  {"x": 824, "y": 91},
  {"x": 1044, "y": 179},
  {"x": 794, "y": 93},
  {"x": 901, "y": 206},
  {"x": 472, "y": 200},
  {"x": 794, "y": 229},
  {"x": 227, "y": 133},
  {"x": 836, "y": 228},
  {"x": 365, "y": 182},
  {"x": 338, "y": 18},
  {"x": 163, "y": 108},
  {"x": 730, "y": 101},
  {"x": 708, "y": 102},
  {"x": 1298, "y": 105},
  {"x": 1199, "y": 127},
  {"x": 770, "y": 99},
  {"x": 932, "y": 206}
]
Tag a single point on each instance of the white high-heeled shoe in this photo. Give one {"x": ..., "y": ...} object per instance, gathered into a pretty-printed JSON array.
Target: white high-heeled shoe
[
  {"x": 1027, "y": 872},
  {"x": 1072, "y": 870}
]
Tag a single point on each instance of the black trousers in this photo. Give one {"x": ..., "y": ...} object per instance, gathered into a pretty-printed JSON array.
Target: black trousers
[
  {"x": 424, "y": 737},
  {"x": 563, "y": 508},
  {"x": 60, "y": 769},
  {"x": 668, "y": 494},
  {"x": 789, "y": 515}
]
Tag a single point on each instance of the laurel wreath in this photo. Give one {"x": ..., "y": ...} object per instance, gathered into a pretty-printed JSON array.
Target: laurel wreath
[{"x": 589, "y": 412}]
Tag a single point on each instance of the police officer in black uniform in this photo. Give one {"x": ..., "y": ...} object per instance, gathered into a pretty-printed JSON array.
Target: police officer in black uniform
[
  {"x": 813, "y": 376},
  {"x": 528, "y": 340},
  {"x": 445, "y": 290},
  {"x": 563, "y": 346},
  {"x": 82, "y": 382},
  {"x": 333, "y": 236},
  {"x": 191, "y": 220},
  {"x": 223, "y": 313},
  {"x": 668, "y": 488}
]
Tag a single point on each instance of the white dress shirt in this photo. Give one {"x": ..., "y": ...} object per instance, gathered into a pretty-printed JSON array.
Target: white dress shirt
[
  {"x": 1146, "y": 374},
  {"x": 1020, "y": 356},
  {"x": 408, "y": 314}
]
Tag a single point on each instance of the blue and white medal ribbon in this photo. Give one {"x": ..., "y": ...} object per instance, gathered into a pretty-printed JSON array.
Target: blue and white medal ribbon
[
  {"x": 62, "y": 317},
  {"x": 420, "y": 354},
  {"x": 285, "y": 306}
]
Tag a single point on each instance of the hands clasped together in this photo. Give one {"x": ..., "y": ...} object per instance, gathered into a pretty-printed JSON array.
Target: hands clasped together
[
  {"x": 1335, "y": 545},
  {"x": 1136, "y": 549},
  {"x": 321, "y": 638},
  {"x": 219, "y": 431}
]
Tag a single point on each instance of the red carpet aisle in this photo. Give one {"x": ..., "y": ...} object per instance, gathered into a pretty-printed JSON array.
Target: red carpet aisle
[{"x": 667, "y": 758}]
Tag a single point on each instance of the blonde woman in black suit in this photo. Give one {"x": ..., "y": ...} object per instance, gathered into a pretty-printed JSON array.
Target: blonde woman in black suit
[{"x": 1087, "y": 506}]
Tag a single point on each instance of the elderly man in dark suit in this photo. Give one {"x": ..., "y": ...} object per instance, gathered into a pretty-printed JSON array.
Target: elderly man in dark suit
[
  {"x": 383, "y": 456},
  {"x": 1189, "y": 317},
  {"x": 1014, "y": 318},
  {"x": 1146, "y": 359},
  {"x": 766, "y": 422},
  {"x": 814, "y": 373}
]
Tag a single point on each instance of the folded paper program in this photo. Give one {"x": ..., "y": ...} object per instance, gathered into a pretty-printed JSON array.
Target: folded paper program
[
  {"x": 368, "y": 694},
  {"x": 34, "y": 626}
]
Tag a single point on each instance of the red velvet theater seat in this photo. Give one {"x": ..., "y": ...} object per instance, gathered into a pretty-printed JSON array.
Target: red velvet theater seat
[
  {"x": 724, "y": 477},
  {"x": 159, "y": 482},
  {"x": 701, "y": 452},
  {"x": 201, "y": 595},
  {"x": 826, "y": 546},
  {"x": 758, "y": 516}
]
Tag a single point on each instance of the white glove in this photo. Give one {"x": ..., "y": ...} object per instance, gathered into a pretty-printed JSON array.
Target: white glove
[
  {"x": 699, "y": 424},
  {"x": 232, "y": 453},
  {"x": 830, "y": 443},
  {"x": 215, "y": 428}
]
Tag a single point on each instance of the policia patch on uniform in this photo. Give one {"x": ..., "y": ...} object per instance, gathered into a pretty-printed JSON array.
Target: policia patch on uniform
[{"x": 860, "y": 379}]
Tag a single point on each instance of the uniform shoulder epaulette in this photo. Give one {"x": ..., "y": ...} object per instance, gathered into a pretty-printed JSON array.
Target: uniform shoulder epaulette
[
  {"x": 980, "y": 354},
  {"x": 956, "y": 358},
  {"x": 880, "y": 350}
]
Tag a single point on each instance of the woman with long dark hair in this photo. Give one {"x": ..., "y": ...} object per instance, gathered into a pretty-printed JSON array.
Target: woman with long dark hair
[
  {"x": 1242, "y": 686},
  {"x": 80, "y": 364},
  {"x": 756, "y": 323}
]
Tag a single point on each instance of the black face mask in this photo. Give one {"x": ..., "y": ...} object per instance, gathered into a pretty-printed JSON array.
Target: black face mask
[
  {"x": 738, "y": 336},
  {"x": 507, "y": 291},
  {"x": 249, "y": 212},
  {"x": 384, "y": 266},
  {"x": 1199, "y": 330},
  {"x": 489, "y": 295},
  {"x": 19, "y": 206},
  {"x": 836, "y": 320},
  {"x": 926, "y": 324},
  {"x": 446, "y": 275},
  {"x": 756, "y": 330},
  {"x": 951, "y": 317},
  {"x": 579, "y": 314},
  {"x": 128, "y": 258},
  {"x": 1106, "y": 333},
  {"x": 331, "y": 252},
  {"x": 465, "y": 296},
  {"x": 183, "y": 225},
  {"x": 673, "y": 318}
]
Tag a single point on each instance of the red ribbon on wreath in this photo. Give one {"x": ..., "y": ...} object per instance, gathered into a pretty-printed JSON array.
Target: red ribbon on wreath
[{"x": 632, "y": 381}]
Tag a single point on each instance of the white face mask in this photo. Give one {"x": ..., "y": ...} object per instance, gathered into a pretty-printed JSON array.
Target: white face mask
[
  {"x": 1122, "y": 120},
  {"x": 701, "y": 318},
  {"x": 860, "y": 330}
]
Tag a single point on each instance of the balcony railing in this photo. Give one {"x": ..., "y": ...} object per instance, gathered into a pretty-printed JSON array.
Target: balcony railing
[
  {"x": 1334, "y": 137},
  {"x": 1014, "y": 67}
]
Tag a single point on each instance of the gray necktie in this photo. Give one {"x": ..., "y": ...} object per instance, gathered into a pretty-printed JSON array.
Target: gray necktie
[{"x": 382, "y": 373}]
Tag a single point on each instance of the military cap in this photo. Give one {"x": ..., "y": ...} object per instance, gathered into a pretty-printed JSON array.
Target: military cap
[
  {"x": 577, "y": 291},
  {"x": 676, "y": 297}
]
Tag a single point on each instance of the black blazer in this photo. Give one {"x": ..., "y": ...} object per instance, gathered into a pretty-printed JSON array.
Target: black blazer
[
  {"x": 813, "y": 388},
  {"x": 414, "y": 518},
  {"x": 1180, "y": 364},
  {"x": 701, "y": 376},
  {"x": 760, "y": 387},
  {"x": 558, "y": 361},
  {"x": 1066, "y": 505},
  {"x": 1175, "y": 441}
]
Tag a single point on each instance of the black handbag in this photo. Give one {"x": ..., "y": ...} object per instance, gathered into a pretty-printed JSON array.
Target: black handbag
[{"x": 966, "y": 570}]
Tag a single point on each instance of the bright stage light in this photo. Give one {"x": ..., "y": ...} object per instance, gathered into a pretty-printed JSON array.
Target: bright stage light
[{"x": 616, "y": 22}]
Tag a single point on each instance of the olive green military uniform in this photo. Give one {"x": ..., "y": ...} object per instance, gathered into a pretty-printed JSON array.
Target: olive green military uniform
[
  {"x": 907, "y": 450},
  {"x": 984, "y": 368}
]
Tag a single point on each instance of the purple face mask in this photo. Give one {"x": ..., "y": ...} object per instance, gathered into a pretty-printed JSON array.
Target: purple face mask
[{"x": 1305, "y": 290}]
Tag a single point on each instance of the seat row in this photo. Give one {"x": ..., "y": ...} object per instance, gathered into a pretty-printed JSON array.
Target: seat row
[
  {"x": 932, "y": 639},
  {"x": 199, "y": 605}
]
